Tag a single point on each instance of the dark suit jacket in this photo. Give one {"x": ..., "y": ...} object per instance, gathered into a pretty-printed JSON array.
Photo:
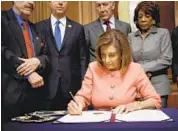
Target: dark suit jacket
[
  {"x": 68, "y": 66},
  {"x": 174, "y": 38},
  {"x": 12, "y": 47}
]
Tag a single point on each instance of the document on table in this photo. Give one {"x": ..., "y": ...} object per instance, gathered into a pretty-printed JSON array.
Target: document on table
[
  {"x": 143, "y": 115},
  {"x": 87, "y": 116},
  {"x": 102, "y": 116}
]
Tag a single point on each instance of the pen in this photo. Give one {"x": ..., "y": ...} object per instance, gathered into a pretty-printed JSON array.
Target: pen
[
  {"x": 75, "y": 101},
  {"x": 73, "y": 97}
]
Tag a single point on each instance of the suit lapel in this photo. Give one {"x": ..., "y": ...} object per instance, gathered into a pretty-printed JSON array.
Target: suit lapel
[
  {"x": 48, "y": 27},
  {"x": 97, "y": 28},
  {"x": 68, "y": 30},
  {"x": 118, "y": 25},
  {"x": 17, "y": 31},
  {"x": 36, "y": 41}
]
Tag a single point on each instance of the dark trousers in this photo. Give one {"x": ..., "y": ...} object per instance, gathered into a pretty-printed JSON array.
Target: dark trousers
[
  {"x": 30, "y": 100},
  {"x": 59, "y": 102}
]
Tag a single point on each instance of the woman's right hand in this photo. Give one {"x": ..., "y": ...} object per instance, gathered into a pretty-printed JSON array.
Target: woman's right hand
[
  {"x": 74, "y": 108},
  {"x": 148, "y": 75}
]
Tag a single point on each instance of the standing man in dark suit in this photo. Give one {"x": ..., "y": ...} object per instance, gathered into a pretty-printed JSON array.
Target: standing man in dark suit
[
  {"x": 105, "y": 21},
  {"x": 67, "y": 51},
  {"x": 24, "y": 59},
  {"x": 174, "y": 38}
]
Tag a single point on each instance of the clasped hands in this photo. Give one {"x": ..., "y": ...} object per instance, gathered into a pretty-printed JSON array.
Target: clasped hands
[
  {"x": 76, "y": 108},
  {"x": 28, "y": 68}
]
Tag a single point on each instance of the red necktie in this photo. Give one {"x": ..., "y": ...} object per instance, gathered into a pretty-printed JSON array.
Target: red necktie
[
  {"x": 27, "y": 39},
  {"x": 108, "y": 27}
]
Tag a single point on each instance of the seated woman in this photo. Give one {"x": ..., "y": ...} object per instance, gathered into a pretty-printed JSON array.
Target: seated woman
[{"x": 112, "y": 82}]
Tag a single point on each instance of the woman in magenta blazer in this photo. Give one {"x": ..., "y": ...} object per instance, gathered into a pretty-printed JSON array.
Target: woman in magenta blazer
[{"x": 112, "y": 82}]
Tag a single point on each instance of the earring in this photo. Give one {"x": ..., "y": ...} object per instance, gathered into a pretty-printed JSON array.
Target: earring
[{"x": 153, "y": 22}]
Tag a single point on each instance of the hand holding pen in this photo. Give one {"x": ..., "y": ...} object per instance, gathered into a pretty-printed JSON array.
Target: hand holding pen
[{"x": 74, "y": 107}]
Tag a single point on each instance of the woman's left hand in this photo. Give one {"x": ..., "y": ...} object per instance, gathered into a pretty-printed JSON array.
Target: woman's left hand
[{"x": 126, "y": 108}]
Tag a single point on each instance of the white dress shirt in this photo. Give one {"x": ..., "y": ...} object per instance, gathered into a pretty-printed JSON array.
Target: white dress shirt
[
  {"x": 62, "y": 25},
  {"x": 112, "y": 23}
]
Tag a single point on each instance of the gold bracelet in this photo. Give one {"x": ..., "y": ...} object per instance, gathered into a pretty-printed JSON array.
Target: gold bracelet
[{"x": 139, "y": 105}]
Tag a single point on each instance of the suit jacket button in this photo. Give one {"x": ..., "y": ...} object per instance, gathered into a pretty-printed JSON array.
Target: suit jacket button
[
  {"x": 112, "y": 74},
  {"x": 111, "y": 97}
]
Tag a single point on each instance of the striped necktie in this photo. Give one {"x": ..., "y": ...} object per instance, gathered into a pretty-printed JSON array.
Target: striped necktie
[
  {"x": 27, "y": 38},
  {"x": 108, "y": 27}
]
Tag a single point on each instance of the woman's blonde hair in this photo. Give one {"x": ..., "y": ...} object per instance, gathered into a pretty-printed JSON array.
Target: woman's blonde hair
[{"x": 118, "y": 39}]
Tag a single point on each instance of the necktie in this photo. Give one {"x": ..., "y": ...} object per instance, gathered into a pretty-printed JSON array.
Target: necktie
[
  {"x": 57, "y": 35},
  {"x": 28, "y": 42},
  {"x": 108, "y": 27}
]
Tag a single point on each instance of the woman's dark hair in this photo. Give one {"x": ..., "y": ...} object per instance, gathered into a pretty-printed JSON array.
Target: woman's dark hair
[
  {"x": 149, "y": 7},
  {"x": 119, "y": 40}
]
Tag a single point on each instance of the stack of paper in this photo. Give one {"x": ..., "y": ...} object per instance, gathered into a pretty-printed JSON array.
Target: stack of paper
[
  {"x": 143, "y": 115},
  {"x": 87, "y": 116},
  {"x": 101, "y": 116}
]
